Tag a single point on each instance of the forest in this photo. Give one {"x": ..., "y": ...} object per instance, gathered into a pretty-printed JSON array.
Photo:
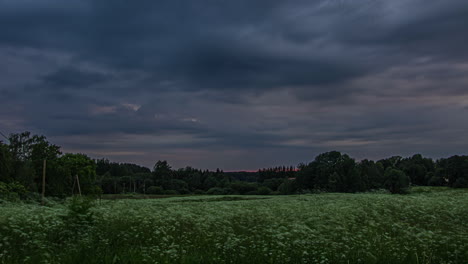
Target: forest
[{"x": 22, "y": 168}]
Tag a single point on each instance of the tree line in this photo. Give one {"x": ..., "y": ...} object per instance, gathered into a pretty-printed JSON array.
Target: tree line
[{"x": 21, "y": 165}]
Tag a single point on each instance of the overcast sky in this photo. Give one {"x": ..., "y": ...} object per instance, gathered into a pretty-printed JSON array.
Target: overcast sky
[{"x": 237, "y": 84}]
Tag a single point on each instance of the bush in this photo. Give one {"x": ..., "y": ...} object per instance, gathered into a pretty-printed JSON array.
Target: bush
[
  {"x": 171, "y": 192},
  {"x": 243, "y": 187},
  {"x": 288, "y": 187},
  {"x": 435, "y": 181},
  {"x": 184, "y": 191},
  {"x": 274, "y": 183},
  {"x": 79, "y": 214},
  {"x": 12, "y": 191},
  {"x": 198, "y": 191},
  {"x": 461, "y": 183},
  {"x": 95, "y": 191},
  {"x": 155, "y": 190},
  {"x": 264, "y": 190},
  {"x": 216, "y": 191},
  {"x": 304, "y": 191}
]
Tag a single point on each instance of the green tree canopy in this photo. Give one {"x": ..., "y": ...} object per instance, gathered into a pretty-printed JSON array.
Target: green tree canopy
[
  {"x": 396, "y": 181},
  {"x": 80, "y": 165}
]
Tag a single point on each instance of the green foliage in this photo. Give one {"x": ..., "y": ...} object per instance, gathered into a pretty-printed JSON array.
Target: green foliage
[
  {"x": 243, "y": 187},
  {"x": 461, "y": 183},
  {"x": 434, "y": 180},
  {"x": 155, "y": 190},
  {"x": 198, "y": 191},
  {"x": 454, "y": 170},
  {"x": 427, "y": 227},
  {"x": 396, "y": 181},
  {"x": 79, "y": 215},
  {"x": 288, "y": 187},
  {"x": 417, "y": 168},
  {"x": 28, "y": 153},
  {"x": 280, "y": 172},
  {"x": 22, "y": 161},
  {"x": 80, "y": 165},
  {"x": 273, "y": 184},
  {"x": 12, "y": 191},
  {"x": 5, "y": 163},
  {"x": 162, "y": 171},
  {"x": 331, "y": 171},
  {"x": 171, "y": 192},
  {"x": 372, "y": 174},
  {"x": 115, "y": 169},
  {"x": 95, "y": 191},
  {"x": 264, "y": 190},
  {"x": 26, "y": 175},
  {"x": 216, "y": 191}
]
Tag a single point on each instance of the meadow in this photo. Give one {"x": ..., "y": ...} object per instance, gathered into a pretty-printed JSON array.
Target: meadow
[{"x": 429, "y": 225}]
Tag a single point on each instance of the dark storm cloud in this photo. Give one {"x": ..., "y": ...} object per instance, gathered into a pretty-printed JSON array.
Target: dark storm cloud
[
  {"x": 414, "y": 28},
  {"x": 75, "y": 78},
  {"x": 289, "y": 79},
  {"x": 200, "y": 46}
]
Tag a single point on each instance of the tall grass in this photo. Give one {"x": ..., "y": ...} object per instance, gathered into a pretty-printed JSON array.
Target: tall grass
[{"x": 428, "y": 226}]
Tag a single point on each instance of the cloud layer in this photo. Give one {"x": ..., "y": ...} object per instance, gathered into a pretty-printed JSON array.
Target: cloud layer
[{"x": 237, "y": 84}]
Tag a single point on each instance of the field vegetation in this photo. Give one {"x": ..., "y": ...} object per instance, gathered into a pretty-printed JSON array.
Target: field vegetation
[{"x": 429, "y": 225}]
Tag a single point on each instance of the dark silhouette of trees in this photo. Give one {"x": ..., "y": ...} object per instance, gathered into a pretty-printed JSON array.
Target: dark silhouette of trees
[
  {"x": 396, "y": 181},
  {"x": 331, "y": 171},
  {"x": 5, "y": 163},
  {"x": 453, "y": 171},
  {"x": 21, "y": 163},
  {"x": 372, "y": 174},
  {"x": 28, "y": 153},
  {"x": 275, "y": 173}
]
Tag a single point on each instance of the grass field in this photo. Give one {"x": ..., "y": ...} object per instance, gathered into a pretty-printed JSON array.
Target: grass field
[{"x": 430, "y": 225}]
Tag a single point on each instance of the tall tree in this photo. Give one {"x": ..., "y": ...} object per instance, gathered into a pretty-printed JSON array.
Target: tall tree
[
  {"x": 28, "y": 153},
  {"x": 5, "y": 163},
  {"x": 330, "y": 171},
  {"x": 162, "y": 174},
  {"x": 396, "y": 181}
]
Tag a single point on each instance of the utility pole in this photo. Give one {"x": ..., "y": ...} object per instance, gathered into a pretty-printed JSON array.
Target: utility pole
[
  {"x": 78, "y": 182},
  {"x": 43, "y": 182}
]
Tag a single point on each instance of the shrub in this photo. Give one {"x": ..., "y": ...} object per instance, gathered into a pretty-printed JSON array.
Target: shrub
[
  {"x": 79, "y": 214},
  {"x": 264, "y": 190},
  {"x": 155, "y": 190},
  {"x": 274, "y": 183},
  {"x": 198, "y": 191},
  {"x": 171, "y": 192},
  {"x": 94, "y": 191},
  {"x": 435, "y": 181},
  {"x": 243, "y": 187},
  {"x": 288, "y": 187},
  {"x": 216, "y": 191},
  {"x": 12, "y": 191},
  {"x": 461, "y": 183},
  {"x": 184, "y": 191}
]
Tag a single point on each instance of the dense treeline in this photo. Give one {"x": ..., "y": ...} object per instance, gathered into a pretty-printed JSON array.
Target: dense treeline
[{"x": 21, "y": 165}]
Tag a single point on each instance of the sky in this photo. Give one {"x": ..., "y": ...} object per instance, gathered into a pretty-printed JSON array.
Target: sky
[{"x": 237, "y": 85}]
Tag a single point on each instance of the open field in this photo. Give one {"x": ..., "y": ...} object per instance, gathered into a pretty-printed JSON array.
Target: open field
[{"x": 428, "y": 226}]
